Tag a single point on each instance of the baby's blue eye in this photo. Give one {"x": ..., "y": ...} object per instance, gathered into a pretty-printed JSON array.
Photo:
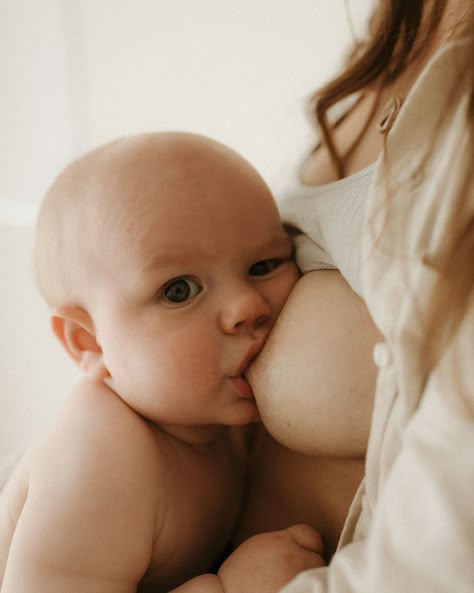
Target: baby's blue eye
[
  {"x": 180, "y": 290},
  {"x": 261, "y": 268}
]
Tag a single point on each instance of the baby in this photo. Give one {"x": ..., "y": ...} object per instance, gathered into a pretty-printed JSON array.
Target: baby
[{"x": 165, "y": 265}]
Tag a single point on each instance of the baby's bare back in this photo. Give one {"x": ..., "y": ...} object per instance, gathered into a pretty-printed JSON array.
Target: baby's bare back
[{"x": 111, "y": 504}]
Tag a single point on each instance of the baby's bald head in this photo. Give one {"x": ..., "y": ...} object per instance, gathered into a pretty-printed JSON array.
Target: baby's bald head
[{"x": 99, "y": 202}]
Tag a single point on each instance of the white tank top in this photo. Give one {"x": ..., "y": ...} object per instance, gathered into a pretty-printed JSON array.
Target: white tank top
[{"x": 330, "y": 218}]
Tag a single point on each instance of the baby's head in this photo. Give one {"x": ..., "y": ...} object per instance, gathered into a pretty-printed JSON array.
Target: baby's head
[
  {"x": 105, "y": 201},
  {"x": 151, "y": 250}
]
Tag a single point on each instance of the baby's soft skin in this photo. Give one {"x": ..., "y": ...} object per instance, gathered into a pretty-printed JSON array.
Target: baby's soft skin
[
  {"x": 139, "y": 489},
  {"x": 165, "y": 265},
  {"x": 256, "y": 565}
]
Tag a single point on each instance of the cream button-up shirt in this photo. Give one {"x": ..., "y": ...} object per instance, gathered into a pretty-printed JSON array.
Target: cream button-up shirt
[{"x": 411, "y": 526}]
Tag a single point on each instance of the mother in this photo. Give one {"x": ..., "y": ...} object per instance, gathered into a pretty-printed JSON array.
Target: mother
[{"x": 410, "y": 131}]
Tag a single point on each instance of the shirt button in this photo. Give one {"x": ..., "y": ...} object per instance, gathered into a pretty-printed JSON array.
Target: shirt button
[{"x": 381, "y": 354}]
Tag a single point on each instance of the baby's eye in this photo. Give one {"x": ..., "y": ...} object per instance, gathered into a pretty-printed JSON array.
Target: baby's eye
[
  {"x": 180, "y": 290},
  {"x": 261, "y": 268}
]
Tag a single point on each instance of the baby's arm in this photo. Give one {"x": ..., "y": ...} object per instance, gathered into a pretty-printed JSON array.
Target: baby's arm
[
  {"x": 88, "y": 520},
  {"x": 263, "y": 563}
]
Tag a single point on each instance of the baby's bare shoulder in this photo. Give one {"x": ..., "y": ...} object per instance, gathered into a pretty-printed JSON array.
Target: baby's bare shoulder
[
  {"x": 97, "y": 464},
  {"x": 98, "y": 437},
  {"x": 93, "y": 480}
]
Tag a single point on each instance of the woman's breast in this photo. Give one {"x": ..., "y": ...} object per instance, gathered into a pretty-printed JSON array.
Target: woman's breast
[
  {"x": 314, "y": 384},
  {"x": 314, "y": 381}
]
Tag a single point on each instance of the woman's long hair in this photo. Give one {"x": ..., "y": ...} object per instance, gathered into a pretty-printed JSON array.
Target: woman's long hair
[
  {"x": 398, "y": 34},
  {"x": 393, "y": 42}
]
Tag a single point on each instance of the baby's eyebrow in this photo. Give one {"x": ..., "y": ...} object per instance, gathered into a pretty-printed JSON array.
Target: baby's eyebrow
[
  {"x": 165, "y": 258},
  {"x": 184, "y": 256}
]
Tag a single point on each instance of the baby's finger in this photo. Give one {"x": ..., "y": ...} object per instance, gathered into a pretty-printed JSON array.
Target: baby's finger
[{"x": 307, "y": 537}]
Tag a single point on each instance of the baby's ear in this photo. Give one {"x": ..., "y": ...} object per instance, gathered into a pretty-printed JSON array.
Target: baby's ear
[{"x": 74, "y": 328}]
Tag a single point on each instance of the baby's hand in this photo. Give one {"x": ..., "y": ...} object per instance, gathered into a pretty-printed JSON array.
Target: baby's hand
[{"x": 266, "y": 562}]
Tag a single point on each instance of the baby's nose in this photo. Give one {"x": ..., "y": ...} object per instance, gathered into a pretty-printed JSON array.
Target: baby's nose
[{"x": 246, "y": 312}]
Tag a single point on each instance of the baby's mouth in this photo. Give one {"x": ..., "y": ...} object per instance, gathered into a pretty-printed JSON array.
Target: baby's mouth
[
  {"x": 240, "y": 382},
  {"x": 242, "y": 387}
]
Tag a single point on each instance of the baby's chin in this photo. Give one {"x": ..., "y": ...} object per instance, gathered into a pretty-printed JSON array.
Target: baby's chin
[{"x": 246, "y": 413}]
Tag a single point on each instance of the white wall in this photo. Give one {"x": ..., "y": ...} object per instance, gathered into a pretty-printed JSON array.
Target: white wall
[
  {"x": 34, "y": 372},
  {"x": 75, "y": 73}
]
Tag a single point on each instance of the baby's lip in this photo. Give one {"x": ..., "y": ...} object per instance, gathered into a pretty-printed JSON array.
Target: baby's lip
[{"x": 252, "y": 353}]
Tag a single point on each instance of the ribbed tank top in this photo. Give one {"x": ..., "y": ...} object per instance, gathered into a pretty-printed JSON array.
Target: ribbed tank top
[{"x": 330, "y": 218}]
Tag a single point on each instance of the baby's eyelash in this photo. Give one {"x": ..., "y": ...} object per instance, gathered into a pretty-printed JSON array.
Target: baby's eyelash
[{"x": 265, "y": 266}]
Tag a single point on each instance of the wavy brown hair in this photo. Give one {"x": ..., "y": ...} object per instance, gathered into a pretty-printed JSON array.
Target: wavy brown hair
[
  {"x": 394, "y": 41},
  {"x": 397, "y": 35}
]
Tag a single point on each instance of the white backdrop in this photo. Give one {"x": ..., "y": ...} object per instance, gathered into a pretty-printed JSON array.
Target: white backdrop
[{"x": 75, "y": 73}]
